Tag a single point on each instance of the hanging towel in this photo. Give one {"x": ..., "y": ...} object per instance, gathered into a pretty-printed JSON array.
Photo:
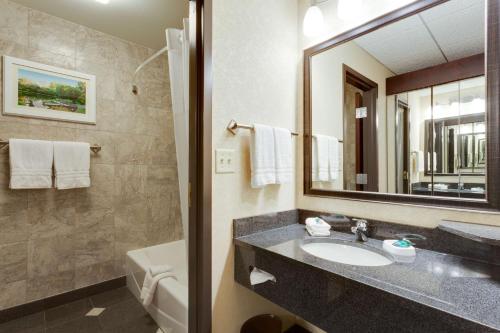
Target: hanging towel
[
  {"x": 283, "y": 153},
  {"x": 72, "y": 164},
  {"x": 30, "y": 164},
  {"x": 150, "y": 284},
  {"x": 420, "y": 161},
  {"x": 262, "y": 156},
  {"x": 320, "y": 158},
  {"x": 333, "y": 158}
]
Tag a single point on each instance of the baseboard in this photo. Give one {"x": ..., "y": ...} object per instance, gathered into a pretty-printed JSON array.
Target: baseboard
[{"x": 60, "y": 299}]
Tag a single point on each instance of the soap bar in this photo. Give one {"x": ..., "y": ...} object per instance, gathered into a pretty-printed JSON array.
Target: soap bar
[{"x": 399, "y": 248}]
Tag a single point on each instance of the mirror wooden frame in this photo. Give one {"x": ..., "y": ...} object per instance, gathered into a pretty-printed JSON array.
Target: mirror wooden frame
[{"x": 492, "y": 71}]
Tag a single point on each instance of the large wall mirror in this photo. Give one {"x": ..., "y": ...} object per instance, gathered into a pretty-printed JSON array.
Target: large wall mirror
[{"x": 405, "y": 108}]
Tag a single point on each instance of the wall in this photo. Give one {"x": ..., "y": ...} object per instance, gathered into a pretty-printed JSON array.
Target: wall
[
  {"x": 255, "y": 59},
  {"x": 55, "y": 241}
]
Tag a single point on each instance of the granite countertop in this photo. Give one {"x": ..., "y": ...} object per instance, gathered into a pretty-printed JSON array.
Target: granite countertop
[
  {"x": 462, "y": 287},
  {"x": 479, "y": 233}
]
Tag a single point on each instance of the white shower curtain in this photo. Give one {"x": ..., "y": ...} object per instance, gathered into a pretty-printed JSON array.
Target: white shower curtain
[{"x": 178, "y": 63}]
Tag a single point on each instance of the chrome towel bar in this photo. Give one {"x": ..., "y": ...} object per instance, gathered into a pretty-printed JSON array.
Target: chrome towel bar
[{"x": 95, "y": 148}]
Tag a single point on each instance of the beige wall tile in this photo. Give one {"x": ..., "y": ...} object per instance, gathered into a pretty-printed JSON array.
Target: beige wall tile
[
  {"x": 13, "y": 266},
  {"x": 12, "y": 294},
  {"x": 50, "y": 255},
  {"x": 13, "y": 22},
  {"x": 42, "y": 286},
  {"x": 14, "y": 228},
  {"x": 88, "y": 275},
  {"x": 94, "y": 237}
]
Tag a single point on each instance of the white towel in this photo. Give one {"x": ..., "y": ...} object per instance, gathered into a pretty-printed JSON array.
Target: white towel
[
  {"x": 283, "y": 153},
  {"x": 150, "y": 284},
  {"x": 333, "y": 158},
  {"x": 317, "y": 223},
  {"x": 317, "y": 233},
  {"x": 420, "y": 161},
  {"x": 263, "y": 158},
  {"x": 72, "y": 164},
  {"x": 30, "y": 164},
  {"x": 320, "y": 158},
  {"x": 158, "y": 269},
  {"x": 258, "y": 276}
]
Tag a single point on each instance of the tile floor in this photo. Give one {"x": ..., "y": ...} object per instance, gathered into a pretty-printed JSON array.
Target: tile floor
[{"x": 123, "y": 314}]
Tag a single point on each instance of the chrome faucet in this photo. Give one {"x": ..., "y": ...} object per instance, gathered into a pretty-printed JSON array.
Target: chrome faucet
[{"x": 360, "y": 230}]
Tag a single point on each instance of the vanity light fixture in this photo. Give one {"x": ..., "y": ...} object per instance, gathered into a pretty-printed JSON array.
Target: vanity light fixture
[
  {"x": 314, "y": 23},
  {"x": 349, "y": 10},
  {"x": 104, "y": 2}
]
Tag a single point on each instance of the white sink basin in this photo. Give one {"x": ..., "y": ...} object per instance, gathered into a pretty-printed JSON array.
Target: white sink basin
[{"x": 346, "y": 254}]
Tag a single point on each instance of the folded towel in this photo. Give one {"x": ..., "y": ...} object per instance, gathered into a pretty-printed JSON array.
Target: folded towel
[
  {"x": 30, "y": 164},
  {"x": 333, "y": 158},
  {"x": 317, "y": 224},
  {"x": 317, "y": 233},
  {"x": 150, "y": 284},
  {"x": 263, "y": 158},
  {"x": 320, "y": 158},
  {"x": 72, "y": 164},
  {"x": 158, "y": 269},
  {"x": 284, "y": 155}
]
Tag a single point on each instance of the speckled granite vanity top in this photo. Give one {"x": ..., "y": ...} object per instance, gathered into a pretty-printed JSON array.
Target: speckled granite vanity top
[{"x": 462, "y": 287}]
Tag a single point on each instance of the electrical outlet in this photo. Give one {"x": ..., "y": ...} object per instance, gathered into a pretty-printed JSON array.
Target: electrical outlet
[{"x": 224, "y": 160}]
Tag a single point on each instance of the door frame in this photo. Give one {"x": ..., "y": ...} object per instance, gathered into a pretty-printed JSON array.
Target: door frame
[
  {"x": 366, "y": 128},
  {"x": 200, "y": 167}
]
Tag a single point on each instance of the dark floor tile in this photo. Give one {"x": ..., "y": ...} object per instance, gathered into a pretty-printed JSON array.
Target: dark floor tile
[
  {"x": 111, "y": 297},
  {"x": 142, "y": 326},
  {"x": 30, "y": 324},
  {"x": 127, "y": 314},
  {"x": 67, "y": 312},
  {"x": 78, "y": 325}
]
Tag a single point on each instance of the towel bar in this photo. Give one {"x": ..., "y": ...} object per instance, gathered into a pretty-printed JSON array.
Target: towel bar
[
  {"x": 233, "y": 127},
  {"x": 95, "y": 148}
]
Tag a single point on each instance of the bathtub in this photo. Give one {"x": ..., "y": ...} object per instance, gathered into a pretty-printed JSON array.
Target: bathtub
[{"x": 170, "y": 305}]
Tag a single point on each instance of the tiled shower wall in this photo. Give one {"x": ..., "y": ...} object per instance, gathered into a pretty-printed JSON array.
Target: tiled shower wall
[{"x": 55, "y": 241}]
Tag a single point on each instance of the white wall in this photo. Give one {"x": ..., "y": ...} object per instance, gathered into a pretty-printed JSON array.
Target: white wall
[{"x": 255, "y": 63}]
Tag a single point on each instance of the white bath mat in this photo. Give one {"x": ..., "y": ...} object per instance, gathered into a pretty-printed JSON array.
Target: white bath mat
[{"x": 95, "y": 312}]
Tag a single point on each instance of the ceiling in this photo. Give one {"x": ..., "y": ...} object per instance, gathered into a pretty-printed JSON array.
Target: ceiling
[
  {"x": 140, "y": 21},
  {"x": 447, "y": 32}
]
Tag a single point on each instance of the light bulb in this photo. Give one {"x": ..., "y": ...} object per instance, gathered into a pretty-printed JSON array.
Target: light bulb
[
  {"x": 314, "y": 23},
  {"x": 349, "y": 10}
]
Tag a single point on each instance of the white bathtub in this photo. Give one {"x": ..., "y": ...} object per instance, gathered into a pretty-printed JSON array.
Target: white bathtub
[{"x": 170, "y": 305}]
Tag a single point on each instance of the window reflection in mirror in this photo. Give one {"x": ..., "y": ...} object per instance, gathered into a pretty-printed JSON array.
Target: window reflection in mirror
[{"x": 402, "y": 109}]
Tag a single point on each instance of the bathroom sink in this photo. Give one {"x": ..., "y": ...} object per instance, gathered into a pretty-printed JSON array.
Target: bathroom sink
[{"x": 346, "y": 253}]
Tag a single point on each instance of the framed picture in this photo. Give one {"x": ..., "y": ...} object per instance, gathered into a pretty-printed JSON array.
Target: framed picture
[{"x": 40, "y": 91}]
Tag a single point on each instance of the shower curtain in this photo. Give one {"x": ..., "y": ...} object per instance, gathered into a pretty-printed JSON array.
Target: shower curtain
[{"x": 178, "y": 63}]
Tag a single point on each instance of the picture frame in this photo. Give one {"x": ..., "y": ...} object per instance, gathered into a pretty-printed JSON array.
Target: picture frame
[{"x": 35, "y": 90}]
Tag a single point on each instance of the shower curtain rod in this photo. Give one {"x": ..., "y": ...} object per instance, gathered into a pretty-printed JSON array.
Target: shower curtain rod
[{"x": 153, "y": 57}]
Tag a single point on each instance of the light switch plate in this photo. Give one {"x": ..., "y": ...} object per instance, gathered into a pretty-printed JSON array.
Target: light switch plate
[
  {"x": 224, "y": 161},
  {"x": 361, "y": 112}
]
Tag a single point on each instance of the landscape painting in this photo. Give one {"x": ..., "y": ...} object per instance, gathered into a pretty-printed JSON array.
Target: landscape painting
[
  {"x": 47, "y": 91},
  {"x": 41, "y": 91}
]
